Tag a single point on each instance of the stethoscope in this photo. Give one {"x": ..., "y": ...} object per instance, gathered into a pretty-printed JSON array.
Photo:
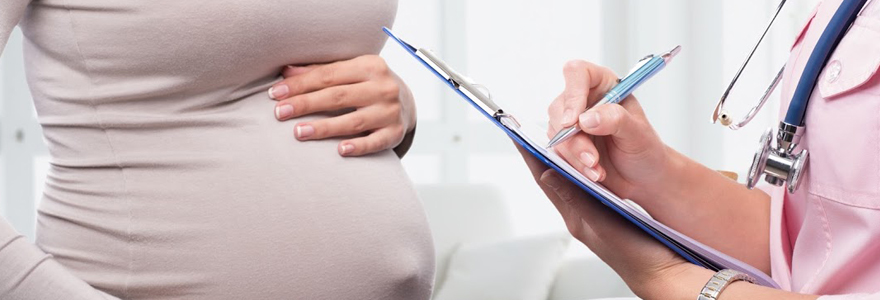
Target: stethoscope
[{"x": 780, "y": 164}]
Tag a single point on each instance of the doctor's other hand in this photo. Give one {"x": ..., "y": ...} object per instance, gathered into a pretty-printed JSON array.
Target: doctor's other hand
[
  {"x": 617, "y": 146},
  {"x": 647, "y": 267},
  {"x": 384, "y": 111}
]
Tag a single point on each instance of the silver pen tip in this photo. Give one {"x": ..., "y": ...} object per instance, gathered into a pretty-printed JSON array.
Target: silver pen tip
[
  {"x": 556, "y": 139},
  {"x": 668, "y": 56},
  {"x": 561, "y": 136}
]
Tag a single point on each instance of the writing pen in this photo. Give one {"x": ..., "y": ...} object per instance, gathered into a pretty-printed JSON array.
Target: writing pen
[{"x": 644, "y": 70}]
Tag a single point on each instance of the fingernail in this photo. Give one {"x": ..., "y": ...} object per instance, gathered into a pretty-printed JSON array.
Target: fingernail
[
  {"x": 592, "y": 174},
  {"x": 589, "y": 119},
  {"x": 550, "y": 179},
  {"x": 588, "y": 159},
  {"x": 345, "y": 149},
  {"x": 304, "y": 131},
  {"x": 282, "y": 112},
  {"x": 568, "y": 117},
  {"x": 278, "y": 91}
]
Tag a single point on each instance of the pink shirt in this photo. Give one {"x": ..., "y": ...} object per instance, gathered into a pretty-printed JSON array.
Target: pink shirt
[{"x": 825, "y": 238}]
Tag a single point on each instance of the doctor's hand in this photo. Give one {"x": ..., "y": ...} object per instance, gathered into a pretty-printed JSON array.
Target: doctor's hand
[
  {"x": 384, "y": 113},
  {"x": 647, "y": 267},
  {"x": 617, "y": 145}
]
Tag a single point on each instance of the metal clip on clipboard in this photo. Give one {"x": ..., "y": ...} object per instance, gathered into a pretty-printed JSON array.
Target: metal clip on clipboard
[{"x": 464, "y": 85}]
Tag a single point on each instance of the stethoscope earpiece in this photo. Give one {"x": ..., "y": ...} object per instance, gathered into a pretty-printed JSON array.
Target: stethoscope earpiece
[{"x": 779, "y": 165}]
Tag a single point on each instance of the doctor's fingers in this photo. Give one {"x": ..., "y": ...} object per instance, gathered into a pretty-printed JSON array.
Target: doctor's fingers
[
  {"x": 579, "y": 150},
  {"x": 576, "y": 206},
  {"x": 582, "y": 154},
  {"x": 630, "y": 131},
  {"x": 570, "y": 216},
  {"x": 585, "y": 83},
  {"x": 555, "y": 110},
  {"x": 631, "y": 253},
  {"x": 538, "y": 168}
]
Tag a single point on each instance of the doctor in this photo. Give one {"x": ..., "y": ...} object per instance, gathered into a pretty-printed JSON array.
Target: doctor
[{"x": 822, "y": 239}]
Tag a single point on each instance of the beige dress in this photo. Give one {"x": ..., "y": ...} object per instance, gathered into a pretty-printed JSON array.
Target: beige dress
[{"x": 171, "y": 178}]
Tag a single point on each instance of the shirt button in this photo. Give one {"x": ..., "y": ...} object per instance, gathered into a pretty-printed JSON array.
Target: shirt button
[{"x": 833, "y": 71}]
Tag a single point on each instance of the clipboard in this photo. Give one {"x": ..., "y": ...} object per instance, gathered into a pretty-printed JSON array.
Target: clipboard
[{"x": 478, "y": 96}]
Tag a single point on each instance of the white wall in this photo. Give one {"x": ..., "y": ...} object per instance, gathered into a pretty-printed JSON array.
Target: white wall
[
  {"x": 517, "y": 49},
  {"x": 23, "y": 155}
]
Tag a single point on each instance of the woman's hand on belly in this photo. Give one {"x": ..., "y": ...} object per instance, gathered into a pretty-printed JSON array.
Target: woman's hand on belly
[{"x": 384, "y": 110}]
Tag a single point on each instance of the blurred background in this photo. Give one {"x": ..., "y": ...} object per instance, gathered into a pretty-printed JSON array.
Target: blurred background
[{"x": 517, "y": 49}]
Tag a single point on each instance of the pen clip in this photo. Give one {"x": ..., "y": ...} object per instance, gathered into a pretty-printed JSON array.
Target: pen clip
[{"x": 640, "y": 64}]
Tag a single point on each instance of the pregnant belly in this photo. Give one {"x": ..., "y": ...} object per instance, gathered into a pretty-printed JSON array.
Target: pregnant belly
[{"x": 238, "y": 210}]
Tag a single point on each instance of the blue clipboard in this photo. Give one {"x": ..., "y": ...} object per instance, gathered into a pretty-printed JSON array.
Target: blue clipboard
[{"x": 478, "y": 97}]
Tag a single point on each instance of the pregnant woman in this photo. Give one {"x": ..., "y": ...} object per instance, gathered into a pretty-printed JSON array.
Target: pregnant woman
[{"x": 189, "y": 163}]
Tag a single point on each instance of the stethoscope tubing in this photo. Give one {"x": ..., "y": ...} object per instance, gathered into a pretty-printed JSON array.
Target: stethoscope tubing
[{"x": 837, "y": 26}]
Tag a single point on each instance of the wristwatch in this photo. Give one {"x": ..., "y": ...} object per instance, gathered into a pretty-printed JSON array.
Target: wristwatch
[{"x": 720, "y": 281}]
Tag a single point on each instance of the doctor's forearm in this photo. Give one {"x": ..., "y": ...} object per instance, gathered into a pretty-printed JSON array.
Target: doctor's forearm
[{"x": 716, "y": 211}]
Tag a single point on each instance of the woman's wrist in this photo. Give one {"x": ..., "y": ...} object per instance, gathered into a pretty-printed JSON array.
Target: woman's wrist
[
  {"x": 404, "y": 146},
  {"x": 408, "y": 103}
]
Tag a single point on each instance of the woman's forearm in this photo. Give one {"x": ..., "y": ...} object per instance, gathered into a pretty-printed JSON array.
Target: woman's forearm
[{"x": 715, "y": 210}]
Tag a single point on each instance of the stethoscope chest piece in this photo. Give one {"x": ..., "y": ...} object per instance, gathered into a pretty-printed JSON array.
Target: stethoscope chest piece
[{"x": 778, "y": 165}]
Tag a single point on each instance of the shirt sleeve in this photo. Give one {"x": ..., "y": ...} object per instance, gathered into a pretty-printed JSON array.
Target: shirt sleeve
[{"x": 26, "y": 272}]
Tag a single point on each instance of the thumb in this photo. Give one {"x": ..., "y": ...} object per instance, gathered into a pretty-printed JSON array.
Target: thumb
[{"x": 630, "y": 134}]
